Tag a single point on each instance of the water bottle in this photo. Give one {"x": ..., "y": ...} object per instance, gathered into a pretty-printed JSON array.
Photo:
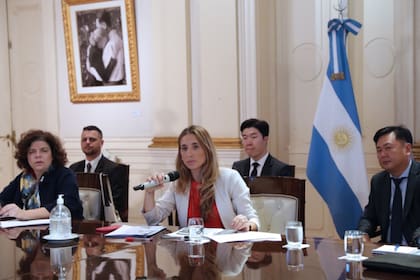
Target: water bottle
[{"x": 60, "y": 220}]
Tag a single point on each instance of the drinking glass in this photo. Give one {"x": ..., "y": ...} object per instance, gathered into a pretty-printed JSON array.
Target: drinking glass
[
  {"x": 195, "y": 253},
  {"x": 294, "y": 233},
  {"x": 353, "y": 244},
  {"x": 195, "y": 228},
  {"x": 294, "y": 259}
]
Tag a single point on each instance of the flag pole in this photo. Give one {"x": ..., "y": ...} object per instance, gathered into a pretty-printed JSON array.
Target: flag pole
[{"x": 340, "y": 8}]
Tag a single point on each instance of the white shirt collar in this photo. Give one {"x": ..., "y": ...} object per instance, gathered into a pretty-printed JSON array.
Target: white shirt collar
[
  {"x": 405, "y": 173},
  {"x": 261, "y": 162},
  {"x": 94, "y": 163}
]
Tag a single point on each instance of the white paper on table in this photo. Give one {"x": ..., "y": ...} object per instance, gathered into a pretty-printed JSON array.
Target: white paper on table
[
  {"x": 179, "y": 234},
  {"x": 135, "y": 231},
  {"x": 386, "y": 249},
  {"x": 216, "y": 235},
  {"x": 19, "y": 223},
  {"x": 245, "y": 236}
]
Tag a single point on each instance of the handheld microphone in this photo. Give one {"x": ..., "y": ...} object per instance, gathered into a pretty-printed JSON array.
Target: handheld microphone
[{"x": 170, "y": 177}]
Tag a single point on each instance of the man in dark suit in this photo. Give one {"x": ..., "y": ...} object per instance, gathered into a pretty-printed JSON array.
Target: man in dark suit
[
  {"x": 254, "y": 134},
  {"x": 398, "y": 186},
  {"x": 91, "y": 144}
]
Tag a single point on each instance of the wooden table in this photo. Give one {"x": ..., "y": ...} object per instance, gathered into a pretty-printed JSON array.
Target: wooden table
[{"x": 96, "y": 257}]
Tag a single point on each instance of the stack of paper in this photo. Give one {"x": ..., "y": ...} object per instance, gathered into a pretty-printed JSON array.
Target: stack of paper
[
  {"x": 135, "y": 231},
  {"x": 245, "y": 236},
  {"x": 386, "y": 249},
  {"x": 18, "y": 223},
  {"x": 222, "y": 235}
]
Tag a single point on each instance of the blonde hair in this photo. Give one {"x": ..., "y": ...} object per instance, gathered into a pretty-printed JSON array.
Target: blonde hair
[{"x": 209, "y": 170}]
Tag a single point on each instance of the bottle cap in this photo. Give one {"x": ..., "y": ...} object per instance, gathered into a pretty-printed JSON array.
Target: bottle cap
[{"x": 60, "y": 199}]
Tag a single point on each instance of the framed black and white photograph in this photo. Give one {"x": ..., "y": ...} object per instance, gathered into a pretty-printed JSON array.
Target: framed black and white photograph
[{"x": 101, "y": 49}]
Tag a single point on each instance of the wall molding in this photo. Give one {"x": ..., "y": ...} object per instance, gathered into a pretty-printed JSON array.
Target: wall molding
[
  {"x": 145, "y": 154},
  {"x": 172, "y": 142}
]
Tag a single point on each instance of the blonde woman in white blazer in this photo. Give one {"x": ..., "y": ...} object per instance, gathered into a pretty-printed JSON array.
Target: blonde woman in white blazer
[{"x": 218, "y": 195}]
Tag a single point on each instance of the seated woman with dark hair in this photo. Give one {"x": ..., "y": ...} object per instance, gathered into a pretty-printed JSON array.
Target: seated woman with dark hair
[{"x": 33, "y": 193}]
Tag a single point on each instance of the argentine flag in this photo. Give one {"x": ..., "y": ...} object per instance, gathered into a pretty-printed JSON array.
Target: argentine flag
[{"x": 336, "y": 164}]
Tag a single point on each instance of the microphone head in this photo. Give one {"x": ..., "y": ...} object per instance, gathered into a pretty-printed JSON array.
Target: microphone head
[{"x": 174, "y": 175}]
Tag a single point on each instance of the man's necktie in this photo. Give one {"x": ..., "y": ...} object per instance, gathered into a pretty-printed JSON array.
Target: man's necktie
[
  {"x": 397, "y": 213},
  {"x": 88, "y": 167},
  {"x": 254, "y": 171}
]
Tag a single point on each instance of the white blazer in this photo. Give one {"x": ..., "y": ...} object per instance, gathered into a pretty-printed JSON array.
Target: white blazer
[{"x": 231, "y": 196}]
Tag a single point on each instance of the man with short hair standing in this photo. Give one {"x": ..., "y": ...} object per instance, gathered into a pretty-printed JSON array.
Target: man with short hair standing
[
  {"x": 91, "y": 143},
  {"x": 254, "y": 134}
]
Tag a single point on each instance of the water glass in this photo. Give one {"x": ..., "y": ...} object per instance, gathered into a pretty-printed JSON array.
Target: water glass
[
  {"x": 196, "y": 253},
  {"x": 294, "y": 233},
  {"x": 195, "y": 229},
  {"x": 353, "y": 244},
  {"x": 294, "y": 259}
]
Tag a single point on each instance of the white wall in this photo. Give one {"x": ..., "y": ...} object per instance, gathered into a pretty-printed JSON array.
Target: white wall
[
  {"x": 170, "y": 101},
  {"x": 117, "y": 119}
]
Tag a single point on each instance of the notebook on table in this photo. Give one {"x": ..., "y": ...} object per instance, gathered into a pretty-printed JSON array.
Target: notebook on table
[
  {"x": 20, "y": 223},
  {"x": 401, "y": 263}
]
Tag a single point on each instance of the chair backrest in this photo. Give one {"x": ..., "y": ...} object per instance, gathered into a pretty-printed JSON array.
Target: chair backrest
[
  {"x": 92, "y": 181},
  {"x": 90, "y": 195},
  {"x": 291, "y": 169},
  {"x": 123, "y": 211},
  {"x": 277, "y": 200},
  {"x": 92, "y": 203},
  {"x": 96, "y": 195}
]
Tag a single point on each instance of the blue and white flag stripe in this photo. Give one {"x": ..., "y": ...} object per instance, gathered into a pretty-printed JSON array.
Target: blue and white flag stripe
[
  {"x": 337, "y": 31},
  {"x": 336, "y": 164},
  {"x": 343, "y": 140}
]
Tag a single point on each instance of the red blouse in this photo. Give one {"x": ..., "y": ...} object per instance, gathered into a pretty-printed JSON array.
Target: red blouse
[{"x": 213, "y": 220}]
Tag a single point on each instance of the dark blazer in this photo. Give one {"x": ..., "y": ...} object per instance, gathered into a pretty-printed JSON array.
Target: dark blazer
[
  {"x": 116, "y": 175},
  {"x": 56, "y": 181},
  {"x": 272, "y": 167},
  {"x": 377, "y": 210}
]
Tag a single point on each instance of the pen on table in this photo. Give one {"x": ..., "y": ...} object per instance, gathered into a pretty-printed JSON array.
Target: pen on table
[
  {"x": 138, "y": 239},
  {"x": 177, "y": 238},
  {"x": 396, "y": 247}
]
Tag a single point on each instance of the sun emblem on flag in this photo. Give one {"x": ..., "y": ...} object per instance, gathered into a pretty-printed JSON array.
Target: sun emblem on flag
[{"x": 342, "y": 138}]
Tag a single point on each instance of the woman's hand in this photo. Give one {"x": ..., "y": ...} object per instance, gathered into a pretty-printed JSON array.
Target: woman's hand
[
  {"x": 149, "y": 196},
  {"x": 12, "y": 210},
  {"x": 158, "y": 178},
  {"x": 240, "y": 223}
]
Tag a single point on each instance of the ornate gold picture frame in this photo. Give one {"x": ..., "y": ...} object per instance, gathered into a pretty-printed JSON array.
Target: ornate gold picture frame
[{"x": 101, "y": 49}]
